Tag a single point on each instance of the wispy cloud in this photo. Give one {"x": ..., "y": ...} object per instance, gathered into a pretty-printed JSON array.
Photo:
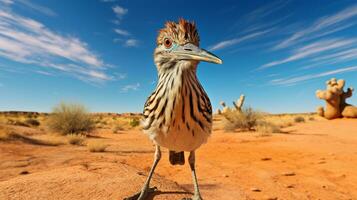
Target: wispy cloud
[
  {"x": 322, "y": 26},
  {"x": 132, "y": 87},
  {"x": 44, "y": 73},
  {"x": 37, "y": 8},
  {"x": 312, "y": 49},
  {"x": 120, "y": 11},
  {"x": 28, "y": 41},
  {"x": 122, "y": 32},
  {"x": 131, "y": 43},
  {"x": 7, "y": 2},
  {"x": 254, "y": 26},
  {"x": 298, "y": 79},
  {"x": 108, "y": 1},
  {"x": 227, "y": 43}
]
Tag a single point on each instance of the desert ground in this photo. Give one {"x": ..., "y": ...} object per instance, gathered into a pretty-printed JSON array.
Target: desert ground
[{"x": 314, "y": 159}]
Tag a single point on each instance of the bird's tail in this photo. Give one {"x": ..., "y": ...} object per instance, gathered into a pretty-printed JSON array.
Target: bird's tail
[{"x": 177, "y": 158}]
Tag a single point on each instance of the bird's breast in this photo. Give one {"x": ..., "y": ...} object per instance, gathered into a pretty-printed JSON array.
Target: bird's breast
[{"x": 178, "y": 114}]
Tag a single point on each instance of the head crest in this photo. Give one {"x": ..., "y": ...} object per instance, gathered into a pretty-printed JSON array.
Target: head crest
[{"x": 182, "y": 32}]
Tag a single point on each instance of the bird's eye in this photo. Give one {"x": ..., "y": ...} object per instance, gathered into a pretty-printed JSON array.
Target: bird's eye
[{"x": 167, "y": 43}]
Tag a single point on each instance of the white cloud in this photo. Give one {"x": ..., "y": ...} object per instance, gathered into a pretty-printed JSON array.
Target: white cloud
[
  {"x": 44, "y": 73},
  {"x": 323, "y": 26},
  {"x": 295, "y": 80},
  {"x": 35, "y": 7},
  {"x": 312, "y": 49},
  {"x": 227, "y": 43},
  {"x": 120, "y": 11},
  {"x": 131, "y": 43},
  {"x": 28, "y": 41},
  {"x": 120, "y": 76},
  {"x": 132, "y": 87},
  {"x": 7, "y": 2},
  {"x": 122, "y": 32}
]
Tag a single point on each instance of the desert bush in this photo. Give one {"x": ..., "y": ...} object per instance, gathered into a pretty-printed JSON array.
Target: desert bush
[
  {"x": 246, "y": 119},
  {"x": 32, "y": 122},
  {"x": 96, "y": 146},
  {"x": 312, "y": 118},
  {"x": 76, "y": 139},
  {"x": 118, "y": 128},
  {"x": 70, "y": 119},
  {"x": 299, "y": 119},
  {"x": 267, "y": 128},
  {"x": 134, "y": 122}
]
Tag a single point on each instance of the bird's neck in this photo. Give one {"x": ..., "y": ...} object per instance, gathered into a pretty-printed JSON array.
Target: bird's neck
[{"x": 176, "y": 76}]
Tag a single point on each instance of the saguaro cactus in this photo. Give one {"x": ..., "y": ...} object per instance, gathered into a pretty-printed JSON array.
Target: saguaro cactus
[
  {"x": 335, "y": 98},
  {"x": 239, "y": 103}
]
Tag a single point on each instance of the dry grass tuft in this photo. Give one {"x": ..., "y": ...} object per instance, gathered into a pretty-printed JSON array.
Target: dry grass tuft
[
  {"x": 244, "y": 120},
  {"x": 32, "y": 122},
  {"x": 96, "y": 146},
  {"x": 70, "y": 119},
  {"x": 267, "y": 128},
  {"x": 299, "y": 119},
  {"x": 76, "y": 139}
]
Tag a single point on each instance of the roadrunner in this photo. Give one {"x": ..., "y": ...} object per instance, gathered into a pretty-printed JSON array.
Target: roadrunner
[{"x": 178, "y": 114}]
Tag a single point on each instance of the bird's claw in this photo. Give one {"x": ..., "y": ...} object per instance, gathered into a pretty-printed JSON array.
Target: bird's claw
[{"x": 142, "y": 195}]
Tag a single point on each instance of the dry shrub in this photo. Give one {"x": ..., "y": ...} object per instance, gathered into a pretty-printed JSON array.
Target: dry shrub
[
  {"x": 96, "y": 146},
  {"x": 134, "y": 122},
  {"x": 32, "y": 122},
  {"x": 267, "y": 128},
  {"x": 70, "y": 119},
  {"x": 76, "y": 139},
  {"x": 244, "y": 120},
  {"x": 118, "y": 128},
  {"x": 299, "y": 119}
]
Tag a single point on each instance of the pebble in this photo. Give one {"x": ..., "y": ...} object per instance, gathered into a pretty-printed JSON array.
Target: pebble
[
  {"x": 266, "y": 159},
  {"x": 272, "y": 198},
  {"x": 290, "y": 186},
  {"x": 254, "y": 189},
  {"x": 24, "y": 172},
  {"x": 288, "y": 174}
]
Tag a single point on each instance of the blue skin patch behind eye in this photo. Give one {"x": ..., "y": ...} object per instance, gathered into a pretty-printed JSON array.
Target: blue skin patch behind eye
[{"x": 174, "y": 47}]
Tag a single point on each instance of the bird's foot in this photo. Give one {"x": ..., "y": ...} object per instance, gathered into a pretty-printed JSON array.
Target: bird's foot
[
  {"x": 194, "y": 197},
  {"x": 142, "y": 195}
]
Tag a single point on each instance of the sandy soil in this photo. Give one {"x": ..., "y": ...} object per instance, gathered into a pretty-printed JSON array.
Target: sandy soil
[{"x": 313, "y": 160}]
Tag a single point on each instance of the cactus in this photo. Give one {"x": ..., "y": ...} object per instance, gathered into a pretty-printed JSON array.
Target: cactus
[
  {"x": 237, "y": 105},
  {"x": 335, "y": 98}
]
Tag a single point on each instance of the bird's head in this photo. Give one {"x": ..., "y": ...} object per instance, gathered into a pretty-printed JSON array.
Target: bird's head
[{"x": 179, "y": 42}]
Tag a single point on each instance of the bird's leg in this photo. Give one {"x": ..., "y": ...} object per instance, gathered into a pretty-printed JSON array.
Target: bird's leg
[
  {"x": 191, "y": 160},
  {"x": 142, "y": 195}
]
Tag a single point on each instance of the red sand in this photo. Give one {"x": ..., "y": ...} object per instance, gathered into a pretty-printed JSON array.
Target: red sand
[{"x": 314, "y": 160}]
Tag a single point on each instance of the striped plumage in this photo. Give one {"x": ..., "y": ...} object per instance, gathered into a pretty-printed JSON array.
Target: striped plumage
[{"x": 178, "y": 114}]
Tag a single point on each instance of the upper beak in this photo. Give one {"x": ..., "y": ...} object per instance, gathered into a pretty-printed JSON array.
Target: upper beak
[{"x": 192, "y": 52}]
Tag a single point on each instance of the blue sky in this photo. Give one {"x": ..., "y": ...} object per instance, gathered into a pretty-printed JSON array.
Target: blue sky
[{"x": 100, "y": 52}]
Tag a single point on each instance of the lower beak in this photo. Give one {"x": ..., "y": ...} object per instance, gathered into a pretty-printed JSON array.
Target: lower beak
[{"x": 192, "y": 52}]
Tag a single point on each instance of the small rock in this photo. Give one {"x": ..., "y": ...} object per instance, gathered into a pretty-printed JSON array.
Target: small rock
[
  {"x": 266, "y": 159},
  {"x": 272, "y": 198},
  {"x": 226, "y": 175},
  {"x": 290, "y": 186},
  {"x": 141, "y": 173},
  {"x": 254, "y": 189},
  {"x": 24, "y": 172},
  {"x": 288, "y": 174},
  {"x": 321, "y": 162}
]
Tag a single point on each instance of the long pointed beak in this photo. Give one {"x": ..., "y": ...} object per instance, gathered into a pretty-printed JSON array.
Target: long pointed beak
[{"x": 192, "y": 52}]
